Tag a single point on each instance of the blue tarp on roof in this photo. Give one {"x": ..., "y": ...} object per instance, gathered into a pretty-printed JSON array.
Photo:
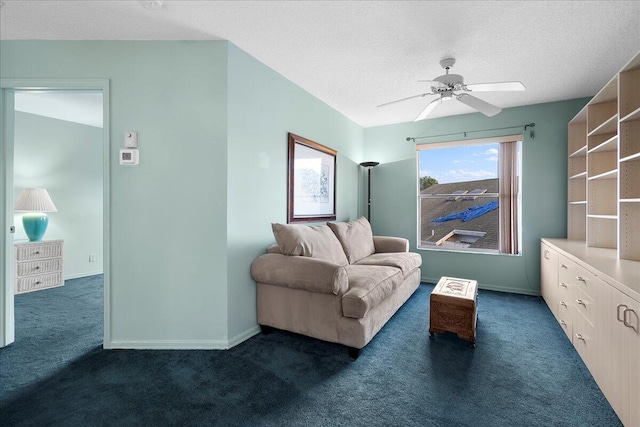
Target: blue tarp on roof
[{"x": 469, "y": 214}]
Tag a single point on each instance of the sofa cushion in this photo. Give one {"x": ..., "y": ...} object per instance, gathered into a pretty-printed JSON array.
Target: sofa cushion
[
  {"x": 355, "y": 237},
  {"x": 310, "y": 241},
  {"x": 369, "y": 285},
  {"x": 405, "y": 261}
]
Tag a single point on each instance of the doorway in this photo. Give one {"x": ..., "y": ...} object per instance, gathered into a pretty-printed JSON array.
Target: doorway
[{"x": 76, "y": 175}]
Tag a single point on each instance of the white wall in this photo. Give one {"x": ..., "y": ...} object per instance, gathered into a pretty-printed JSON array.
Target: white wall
[{"x": 66, "y": 159}]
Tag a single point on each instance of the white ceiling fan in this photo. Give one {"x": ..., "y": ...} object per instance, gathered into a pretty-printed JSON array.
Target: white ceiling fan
[{"x": 447, "y": 85}]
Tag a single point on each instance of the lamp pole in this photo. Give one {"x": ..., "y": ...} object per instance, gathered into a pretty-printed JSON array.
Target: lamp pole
[{"x": 369, "y": 166}]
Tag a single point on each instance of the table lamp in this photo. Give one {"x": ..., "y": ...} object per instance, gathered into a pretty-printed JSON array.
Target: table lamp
[{"x": 35, "y": 202}]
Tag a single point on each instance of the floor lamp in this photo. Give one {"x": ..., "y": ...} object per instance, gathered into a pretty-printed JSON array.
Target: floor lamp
[{"x": 369, "y": 166}]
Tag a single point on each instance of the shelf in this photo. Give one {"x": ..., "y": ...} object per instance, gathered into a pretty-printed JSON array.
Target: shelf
[
  {"x": 602, "y": 197},
  {"x": 630, "y": 180},
  {"x": 602, "y": 232},
  {"x": 579, "y": 175},
  {"x": 604, "y": 139},
  {"x": 602, "y": 165},
  {"x": 630, "y": 94},
  {"x": 577, "y": 221},
  {"x": 631, "y": 158},
  {"x": 629, "y": 139},
  {"x": 577, "y": 135},
  {"x": 602, "y": 117},
  {"x": 610, "y": 125},
  {"x": 611, "y": 217},
  {"x": 629, "y": 231},
  {"x": 613, "y": 174},
  {"x": 604, "y": 142},
  {"x": 632, "y": 116},
  {"x": 580, "y": 152}
]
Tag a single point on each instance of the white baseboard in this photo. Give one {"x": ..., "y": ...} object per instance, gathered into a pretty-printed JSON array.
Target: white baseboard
[
  {"x": 169, "y": 345},
  {"x": 79, "y": 275},
  {"x": 240, "y": 338},
  {"x": 489, "y": 287},
  {"x": 184, "y": 345}
]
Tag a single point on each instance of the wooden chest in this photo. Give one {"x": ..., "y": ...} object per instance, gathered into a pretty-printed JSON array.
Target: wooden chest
[{"x": 454, "y": 308}]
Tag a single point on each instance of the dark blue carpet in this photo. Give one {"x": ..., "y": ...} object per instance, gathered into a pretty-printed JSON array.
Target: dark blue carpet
[{"x": 524, "y": 372}]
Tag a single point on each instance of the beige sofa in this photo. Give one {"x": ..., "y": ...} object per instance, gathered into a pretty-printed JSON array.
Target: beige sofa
[{"x": 335, "y": 282}]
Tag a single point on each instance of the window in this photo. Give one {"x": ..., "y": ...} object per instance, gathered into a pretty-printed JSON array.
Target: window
[{"x": 468, "y": 195}]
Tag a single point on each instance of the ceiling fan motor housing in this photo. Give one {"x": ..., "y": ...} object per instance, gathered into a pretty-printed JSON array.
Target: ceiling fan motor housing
[{"x": 450, "y": 82}]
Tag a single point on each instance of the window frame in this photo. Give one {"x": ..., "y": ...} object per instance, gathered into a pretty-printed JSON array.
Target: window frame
[{"x": 515, "y": 230}]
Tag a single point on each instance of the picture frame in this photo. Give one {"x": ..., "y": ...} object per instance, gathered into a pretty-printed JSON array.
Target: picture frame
[{"x": 311, "y": 184}]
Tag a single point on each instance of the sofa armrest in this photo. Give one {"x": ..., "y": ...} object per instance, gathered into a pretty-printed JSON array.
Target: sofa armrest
[
  {"x": 386, "y": 244},
  {"x": 299, "y": 272}
]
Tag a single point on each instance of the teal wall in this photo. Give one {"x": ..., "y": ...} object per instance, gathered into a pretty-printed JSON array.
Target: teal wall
[
  {"x": 544, "y": 190},
  {"x": 66, "y": 159},
  {"x": 263, "y": 108},
  {"x": 212, "y": 125},
  {"x": 187, "y": 222},
  {"x": 167, "y": 215}
]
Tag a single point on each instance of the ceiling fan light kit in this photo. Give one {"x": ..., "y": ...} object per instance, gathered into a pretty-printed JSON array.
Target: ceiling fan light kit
[{"x": 447, "y": 85}]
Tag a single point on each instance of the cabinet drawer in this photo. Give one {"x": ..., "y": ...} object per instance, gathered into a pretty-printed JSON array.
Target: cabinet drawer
[
  {"x": 39, "y": 267},
  {"x": 34, "y": 283},
  {"x": 41, "y": 251},
  {"x": 584, "y": 281},
  {"x": 584, "y": 305},
  {"x": 584, "y": 341},
  {"x": 564, "y": 291},
  {"x": 564, "y": 318}
]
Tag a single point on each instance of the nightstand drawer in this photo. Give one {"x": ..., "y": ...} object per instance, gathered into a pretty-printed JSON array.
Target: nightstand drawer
[
  {"x": 39, "y": 267},
  {"x": 38, "y": 251},
  {"x": 34, "y": 283}
]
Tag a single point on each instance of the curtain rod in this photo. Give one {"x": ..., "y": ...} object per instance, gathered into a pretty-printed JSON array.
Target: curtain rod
[{"x": 530, "y": 125}]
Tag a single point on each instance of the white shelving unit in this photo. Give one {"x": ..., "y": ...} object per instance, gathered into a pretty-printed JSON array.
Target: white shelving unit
[{"x": 604, "y": 167}]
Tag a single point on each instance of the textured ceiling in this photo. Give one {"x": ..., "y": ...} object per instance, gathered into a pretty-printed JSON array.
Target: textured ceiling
[{"x": 355, "y": 55}]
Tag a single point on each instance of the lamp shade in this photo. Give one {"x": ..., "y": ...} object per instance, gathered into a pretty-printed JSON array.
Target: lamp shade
[{"x": 34, "y": 200}]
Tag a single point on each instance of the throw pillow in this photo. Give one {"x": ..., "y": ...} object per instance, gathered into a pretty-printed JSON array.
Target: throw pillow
[
  {"x": 310, "y": 241},
  {"x": 356, "y": 238}
]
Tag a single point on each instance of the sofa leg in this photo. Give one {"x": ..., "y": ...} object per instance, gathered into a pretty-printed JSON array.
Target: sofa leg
[
  {"x": 354, "y": 353},
  {"x": 266, "y": 330}
]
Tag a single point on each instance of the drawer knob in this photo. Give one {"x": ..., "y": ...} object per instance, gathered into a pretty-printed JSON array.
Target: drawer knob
[
  {"x": 580, "y": 337},
  {"x": 37, "y": 267},
  {"x": 563, "y": 323},
  {"x": 581, "y": 279},
  {"x": 564, "y": 285},
  {"x": 580, "y": 302},
  {"x": 562, "y": 303},
  {"x": 38, "y": 282},
  {"x": 563, "y": 266},
  {"x": 37, "y": 252}
]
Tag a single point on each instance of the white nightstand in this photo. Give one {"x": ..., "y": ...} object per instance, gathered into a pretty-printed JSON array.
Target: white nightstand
[{"x": 38, "y": 265}]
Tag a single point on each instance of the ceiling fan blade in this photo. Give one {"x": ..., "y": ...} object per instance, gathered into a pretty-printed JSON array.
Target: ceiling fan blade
[
  {"x": 405, "y": 99},
  {"x": 478, "y": 104},
  {"x": 433, "y": 104},
  {"x": 499, "y": 86}
]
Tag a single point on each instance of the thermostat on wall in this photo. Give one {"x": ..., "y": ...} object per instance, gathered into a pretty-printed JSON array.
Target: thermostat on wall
[{"x": 129, "y": 156}]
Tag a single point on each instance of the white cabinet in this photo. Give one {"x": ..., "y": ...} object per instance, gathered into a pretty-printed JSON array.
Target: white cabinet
[
  {"x": 598, "y": 307},
  {"x": 549, "y": 277},
  {"x": 38, "y": 265},
  {"x": 619, "y": 359}
]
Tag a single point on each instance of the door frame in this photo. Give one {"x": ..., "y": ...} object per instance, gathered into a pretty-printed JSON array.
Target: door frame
[{"x": 7, "y": 86}]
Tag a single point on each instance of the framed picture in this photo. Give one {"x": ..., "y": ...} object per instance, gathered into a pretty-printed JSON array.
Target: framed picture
[{"x": 311, "y": 182}]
